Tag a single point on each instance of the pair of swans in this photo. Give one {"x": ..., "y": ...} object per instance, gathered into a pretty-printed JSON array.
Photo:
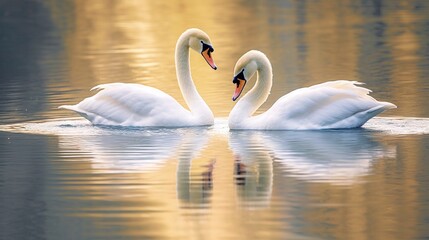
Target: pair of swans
[{"x": 334, "y": 104}]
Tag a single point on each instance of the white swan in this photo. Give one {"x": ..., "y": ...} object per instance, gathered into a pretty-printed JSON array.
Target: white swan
[
  {"x": 334, "y": 104},
  {"x": 127, "y": 104}
]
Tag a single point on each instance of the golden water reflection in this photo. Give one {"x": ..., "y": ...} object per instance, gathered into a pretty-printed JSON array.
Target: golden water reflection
[{"x": 293, "y": 183}]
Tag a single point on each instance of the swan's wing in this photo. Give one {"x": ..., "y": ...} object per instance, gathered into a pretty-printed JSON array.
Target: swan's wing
[
  {"x": 131, "y": 105},
  {"x": 351, "y": 86},
  {"x": 334, "y": 104},
  {"x": 111, "y": 85}
]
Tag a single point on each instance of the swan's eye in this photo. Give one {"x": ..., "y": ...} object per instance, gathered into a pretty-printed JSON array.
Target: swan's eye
[
  {"x": 207, "y": 46},
  {"x": 240, "y": 75},
  {"x": 240, "y": 81},
  {"x": 206, "y": 53}
]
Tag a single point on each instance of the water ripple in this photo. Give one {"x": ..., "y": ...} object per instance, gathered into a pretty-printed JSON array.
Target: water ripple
[{"x": 79, "y": 126}]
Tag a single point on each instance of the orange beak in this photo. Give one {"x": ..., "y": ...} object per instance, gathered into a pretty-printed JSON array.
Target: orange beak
[
  {"x": 240, "y": 86},
  {"x": 208, "y": 57}
]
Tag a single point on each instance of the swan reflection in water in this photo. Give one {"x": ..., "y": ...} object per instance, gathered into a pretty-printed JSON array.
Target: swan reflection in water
[
  {"x": 136, "y": 151},
  {"x": 253, "y": 168},
  {"x": 339, "y": 157},
  {"x": 123, "y": 150},
  {"x": 194, "y": 187}
]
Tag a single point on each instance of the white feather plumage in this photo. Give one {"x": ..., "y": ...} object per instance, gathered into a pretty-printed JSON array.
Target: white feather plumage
[
  {"x": 334, "y": 104},
  {"x": 128, "y": 104}
]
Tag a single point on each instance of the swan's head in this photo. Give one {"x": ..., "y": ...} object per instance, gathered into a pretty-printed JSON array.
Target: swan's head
[
  {"x": 244, "y": 70},
  {"x": 200, "y": 42}
]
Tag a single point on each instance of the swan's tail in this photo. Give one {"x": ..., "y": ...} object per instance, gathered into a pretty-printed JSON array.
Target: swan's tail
[
  {"x": 382, "y": 106},
  {"x": 370, "y": 113},
  {"x": 69, "y": 107},
  {"x": 360, "y": 118},
  {"x": 74, "y": 108},
  {"x": 388, "y": 105}
]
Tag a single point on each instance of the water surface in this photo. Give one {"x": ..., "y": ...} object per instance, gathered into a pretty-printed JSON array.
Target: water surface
[{"x": 62, "y": 178}]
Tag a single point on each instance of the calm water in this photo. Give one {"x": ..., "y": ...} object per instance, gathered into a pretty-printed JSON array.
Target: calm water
[{"x": 62, "y": 178}]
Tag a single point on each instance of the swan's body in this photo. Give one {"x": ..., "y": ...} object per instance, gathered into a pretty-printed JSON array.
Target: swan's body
[
  {"x": 127, "y": 104},
  {"x": 334, "y": 104}
]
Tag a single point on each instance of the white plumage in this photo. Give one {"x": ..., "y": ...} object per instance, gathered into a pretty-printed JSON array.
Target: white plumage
[
  {"x": 128, "y": 104},
  {"x": 334, "y": 104}
]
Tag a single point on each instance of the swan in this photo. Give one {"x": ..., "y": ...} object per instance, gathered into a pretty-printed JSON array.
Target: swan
[
  {"x": 329, "y": 105},
  {"x": 128, "y": 104}
]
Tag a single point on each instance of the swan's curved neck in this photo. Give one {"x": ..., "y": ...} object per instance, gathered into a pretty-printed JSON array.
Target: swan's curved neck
[
  {"x": 250, "y": 102},
  {"x": 193, "y": 99}
]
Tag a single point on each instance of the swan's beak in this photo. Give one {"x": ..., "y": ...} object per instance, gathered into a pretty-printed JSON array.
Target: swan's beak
[
  {"x": 207, "y": 54},
  {"x": 240, "y": 86}
]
